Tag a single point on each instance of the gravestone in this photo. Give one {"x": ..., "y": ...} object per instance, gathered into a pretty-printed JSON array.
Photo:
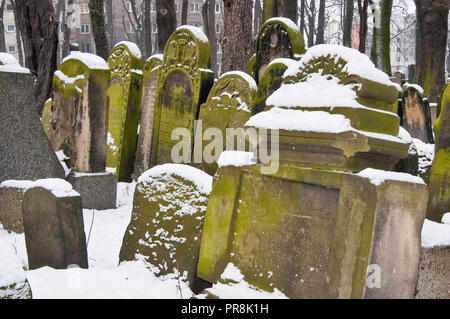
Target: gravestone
[
  {"x": 46, "y": 118},
  {"x": 439, "y": 185},
  {"x": 434, "y": 273},
  {"x": 278, "y": 38},
  {"x": 183, "y": 85},
  {"x": 167, "y": 220},
  {"x": 327, "y": 214},
  {"x": 270, "y": 81},
  {"x": 25, "y": 152},
  {"x": 79, "y": 126},
  {"x": 229, "y": 105},
  {"x": 53, "y": 225},
  {"x": 124, "y": 99},
  {"x": 415, "y": 114},
  {"x": 149, "y": 84}
]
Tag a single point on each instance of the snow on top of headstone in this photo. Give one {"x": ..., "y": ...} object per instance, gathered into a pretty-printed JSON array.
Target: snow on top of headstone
[
  {"x": 8, "y": 63},
  {"x": 378, "y": 177},
  {"x": 92, "y": 61},
  {"x": 197, "y": 32},
  {"x": 202, "y": 180},
  {"x": 290, "y": 63},
  {"x": 357, "y": 63},
  {"x": 435, "y": 234},
  {"x": 58, "y": 187},
  {"x": 132, "y": 47},
  {"x": 66, "y": 79},
  {"x": 251, "y": 82},
  {"x": 158, "y": 56},
  {"x": 236, "y": 158},
  {"x": 288, "y": 22},
  {"x": 417, "y": 87},
  {"x": 404, "y": 135}
]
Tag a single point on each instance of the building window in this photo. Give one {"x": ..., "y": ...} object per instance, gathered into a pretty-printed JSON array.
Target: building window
[
  {"x": 219, "y": 48},
  {"x": 84, "y": 8},
  {"x": 217, "y": 7},
  {"x": 9, "y": 7},
  {"x": 195, "y": 7},
  {"x": 11, "y": 28},
  {"x": 129, "y": 8},
  {"x": 11, "y": 48},
  {"x": 217, "y": 27},
  {"x": 85, "y": 47},
  {"x": 176, "y": 7},
  {"x": 85, "y": 29},
  {"x": 130, "y": 28},
  {"x": 154, "y": 28},
  {"x": 219, "y": 68},
  {"x": 153, "y": 7}
]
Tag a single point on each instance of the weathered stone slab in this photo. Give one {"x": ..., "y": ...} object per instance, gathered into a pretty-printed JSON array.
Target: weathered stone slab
[
  {"x": 439, "y": 185},
  {"x": 124, "y": 98},
  {"x": 229, "y": 105},
  {"x": 415, "y": 114},
  {"x": 166, "y": 225},
  {"x": 97, "y": 190},
  {"x": 80, "y": 111},
  {"x": 434, "y": 273},
  {"x": 315, "y": 234},
  {"x": 53, "y": 225},
  {"x": 149, "y": 86},
  {"x": 278, "y": 38},
  {"x": 24, "y": 148},
  {"x": 11, "y": 196},
  {"x": 183, "y": 85}
]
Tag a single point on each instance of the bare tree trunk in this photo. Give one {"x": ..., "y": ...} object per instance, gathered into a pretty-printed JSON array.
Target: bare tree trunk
[
  {"x": 311, "y": 22},
  {"x": 302, "y": 15},
  {"x": 166, "y": 20},
  {"x": 209, "y": 25},
  {"x": 39, "y": 31},
  {"x": 321, "y": 23},
  {"x": 258, "y": 18},
  {"x": 18, "y": 39},
  {"x": 237, "y": 41},
  {"x": 348, "y": 22},
  {"x": 363, "y": 28},
  {"x": 97, "y": 15},
  {"x": 381, "y": 48},
  {"x": 2, "y": 27},
  {"x": 270, "y": 9},
  {"x": 184, "y": 12},
  {"x": 65, "y": 29},
  {"x": 110, "y": 21},
  {"x": 431, "y": 43},
  {"x": 147, "y": 29},
  {"x": 289, "y": 9}
]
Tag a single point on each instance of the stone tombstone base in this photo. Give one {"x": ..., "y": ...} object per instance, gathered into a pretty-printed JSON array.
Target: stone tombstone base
[
  {"x": 53, "y": 225},
  {"x": 315, "y": 233},
  {"x": 97, "y": 190},
  {"x": 434, "y": 273},
  {"x": 11, "y": 205}
]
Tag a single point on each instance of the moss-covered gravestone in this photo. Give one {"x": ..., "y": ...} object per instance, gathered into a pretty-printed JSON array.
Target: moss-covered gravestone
[
  {"x": 124, "y": 98},
  {"x": 439, "y": 185},
  {"x": 183, "y": 85},
  {"x": 167, "y": 220},
  {"x": 149, "y": 84},
  {"x": 46, "y": 118},
  {"x": 415, "y": 114},
  {"x": 278, "y": 38},
  {"x": 270, "y": 81},
  {"x": 229, "y": 105},
  {"x": 80, "y": 112}
]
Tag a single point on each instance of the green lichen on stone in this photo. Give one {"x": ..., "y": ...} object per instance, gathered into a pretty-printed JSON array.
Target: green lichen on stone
[
  {"x": 124, "y": 96},
  {"x": 184, "y": 82},
  {"x": 251, "y": 66},
  {"x": 18, "y": 290},
  {"x": 46, "y": 118}
]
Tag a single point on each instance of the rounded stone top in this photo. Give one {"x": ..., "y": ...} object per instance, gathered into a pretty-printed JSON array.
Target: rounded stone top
[
  {"x": 152, "y": 64},
  {"x": 125, "y": 56},
  {"x": 77, "y": 63}
]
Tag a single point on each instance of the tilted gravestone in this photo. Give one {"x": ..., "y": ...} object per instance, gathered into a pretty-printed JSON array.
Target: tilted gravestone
[
  {"x": 415, "y": 114},
  {"x": 229, "y": 105},
  {"x": 25, "y": 152},
  {"x": 439, "y": 185},
  {"x": 167, "y": 220},
  {"x": 149, "y": 85},
  {"x": 124, "y": 100},
  {"x": 318, "y": 220},
  {"x": 278, "y": 38},
  {"x": 183, "y": 85},
  {"x": 53, "y": 225}
]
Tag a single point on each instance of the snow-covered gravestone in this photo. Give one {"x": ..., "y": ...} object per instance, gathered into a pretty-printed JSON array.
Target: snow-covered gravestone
[
  {"x": 124, "y": 98},
  {"x": 439, "y": 185},
  {"x": 24, "y": 148},
  {"x": 278, "y": 38},
  {"x": 229, "y": 105},
  {"x": 414, "y": 112},
  {"x": 184, "y": 82},
  {"x": 53, "y": 225},
  {"x": 323, "y": 218},
  {"x": 167, "y": 220},
  {"x": 149, "y": 84}
]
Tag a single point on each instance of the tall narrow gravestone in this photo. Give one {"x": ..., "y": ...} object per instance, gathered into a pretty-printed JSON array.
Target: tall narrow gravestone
[
  {"x": 149, "y": 85},
  {"x": 124, "y": 99},
  {"x": 183, "y": 84},
  {"x": 25, "y": 152},
  {"x": 278, "y": 38}
]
